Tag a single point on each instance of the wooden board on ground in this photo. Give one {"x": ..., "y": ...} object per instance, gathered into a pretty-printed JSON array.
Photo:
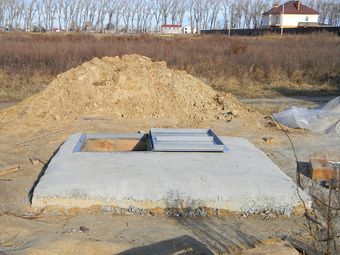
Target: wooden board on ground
[
  {"x": 322, "y": 170},
  {"x": 278, "y": 248},
  {"x": 9, "y": 170}
]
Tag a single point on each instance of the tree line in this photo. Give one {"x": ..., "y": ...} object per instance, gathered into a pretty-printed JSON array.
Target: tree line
[{"x": 145, "y": 15}]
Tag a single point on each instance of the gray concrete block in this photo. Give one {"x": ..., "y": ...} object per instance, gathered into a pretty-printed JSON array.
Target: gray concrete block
[{"x": 244, "y": 179}]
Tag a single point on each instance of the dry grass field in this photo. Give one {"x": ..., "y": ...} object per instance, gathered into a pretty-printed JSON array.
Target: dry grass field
[
  {"x": 245, "y": 66},
  {"x": 123, "y": 95}
]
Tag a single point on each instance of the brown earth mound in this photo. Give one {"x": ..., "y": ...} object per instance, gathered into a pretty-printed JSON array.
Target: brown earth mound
[{"x": 128, "y": 87}]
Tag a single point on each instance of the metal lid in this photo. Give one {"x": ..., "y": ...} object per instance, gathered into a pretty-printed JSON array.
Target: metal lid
[{"x": 189, "y": 140}]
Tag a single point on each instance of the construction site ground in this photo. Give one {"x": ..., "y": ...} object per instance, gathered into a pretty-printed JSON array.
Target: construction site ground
[
  {"x": 55, "y": 231},
  {"x": 129, "y": 94}
]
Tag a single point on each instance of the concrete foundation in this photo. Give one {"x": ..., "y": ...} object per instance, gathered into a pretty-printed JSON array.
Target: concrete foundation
[{"x": 242, "y": 179}]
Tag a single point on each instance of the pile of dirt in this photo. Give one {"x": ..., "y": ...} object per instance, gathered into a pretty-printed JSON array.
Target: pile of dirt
[{"x": 128, "y": 87}]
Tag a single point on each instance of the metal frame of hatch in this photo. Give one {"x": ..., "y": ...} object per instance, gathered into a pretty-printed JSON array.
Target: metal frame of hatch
[
  {"x": 167, "y": 140},
  {"x": 185, "y": 140}
]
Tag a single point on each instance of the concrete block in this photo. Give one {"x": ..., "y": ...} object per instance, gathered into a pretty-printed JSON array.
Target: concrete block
[{"x": 243, "y": 180}]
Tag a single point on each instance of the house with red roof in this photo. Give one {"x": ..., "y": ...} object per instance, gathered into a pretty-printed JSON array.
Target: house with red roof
[
  {"x": 171, "y": 29},
  {"x": 290, "y": 14}
]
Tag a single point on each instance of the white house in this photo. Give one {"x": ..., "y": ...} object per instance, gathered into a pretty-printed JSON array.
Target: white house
[
  {"x": 171, "y": 29},
  {"x": 189, "y": 30},
  {"x": 290, "y": 14}
]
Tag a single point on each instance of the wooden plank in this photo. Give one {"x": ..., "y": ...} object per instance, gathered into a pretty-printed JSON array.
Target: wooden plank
[
  {"x": 11, "y": 169},
  {"x": 278, "y": 248},
  {"x": 322, "y": 170}
]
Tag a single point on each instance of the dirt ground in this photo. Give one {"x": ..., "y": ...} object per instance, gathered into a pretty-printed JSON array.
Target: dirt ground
[
  {"x": 26, "y": 231},
  {"x": 128, "y": 94}
]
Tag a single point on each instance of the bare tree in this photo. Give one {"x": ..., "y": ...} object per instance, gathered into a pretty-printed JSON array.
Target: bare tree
[
  {"x": 2, "y": 11},
  {"x": 142, "y": 9},
  {"x": 147, "y": 17},
  {"x": 157, "y": 12},
  {"x": 29, "y": 13},
  {"x": 49, "y": 9},
  {"x": 205, "y": 12},
  {"x": 135, "y": 7},
  {"x": 118, "y": 12},
  {"x": 101, "y": 13},
  {"x": 110, "y": 10},
  {"x": 329, "y": 11},
  {"x": 246, "y": 5},
  {"x": 19, "y": 13},
  {"x": 143, "y": 15},
  {"x": 12, "y": 9},
  {"x": 60, "y": 13},
  {"x": 197, "y": 12},
  {"x": 126, "y": 16},
  {"x": 178, "y": 9},
  {"x": 182, "y": 9},
  {"x": 226, "y": 13},
  {"x": 165, "y": 10},
  {"x": 215, "y": 8},
  {"x": 256, "y": 9},
  {"x": 237, "y": 13}
]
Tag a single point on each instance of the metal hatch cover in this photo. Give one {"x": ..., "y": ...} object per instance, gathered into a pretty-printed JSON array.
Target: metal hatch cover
[{"x": 189, "y": 140}]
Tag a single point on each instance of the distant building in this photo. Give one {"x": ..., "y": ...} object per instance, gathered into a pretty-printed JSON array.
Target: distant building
[
  {"x": 171, "y": 29},
  {"x": 291, "y": 14},
  {"x": 189, "y": 30},
  {"x": 8, "y": 29}
]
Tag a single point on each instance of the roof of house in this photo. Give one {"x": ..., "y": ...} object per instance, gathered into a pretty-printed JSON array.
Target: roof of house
[
  {"x": 291, "y": 7},
  {"x": 176, "y": 26}
]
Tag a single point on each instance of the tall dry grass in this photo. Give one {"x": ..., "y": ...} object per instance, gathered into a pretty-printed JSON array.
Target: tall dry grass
[{"x": 247, "y": 66}]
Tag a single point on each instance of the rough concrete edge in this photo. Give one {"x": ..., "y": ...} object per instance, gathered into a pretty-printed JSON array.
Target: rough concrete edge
[{"x": 68, "y": 203}]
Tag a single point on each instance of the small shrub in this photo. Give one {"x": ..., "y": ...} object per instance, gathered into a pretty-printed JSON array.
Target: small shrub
[{"x": 237, "y": 48}]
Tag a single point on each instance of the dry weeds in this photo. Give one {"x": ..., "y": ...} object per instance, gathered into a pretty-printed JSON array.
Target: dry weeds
[{"x": 246, "y": 66}]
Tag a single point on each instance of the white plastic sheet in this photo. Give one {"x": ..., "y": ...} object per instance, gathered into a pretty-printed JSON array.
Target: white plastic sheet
[{"x": 324, "y": 119}]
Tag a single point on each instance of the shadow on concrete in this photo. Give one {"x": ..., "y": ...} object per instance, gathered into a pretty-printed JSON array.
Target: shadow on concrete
[
  {"x": 42, "y": 172},
  {"x": 179, "y": 246}
]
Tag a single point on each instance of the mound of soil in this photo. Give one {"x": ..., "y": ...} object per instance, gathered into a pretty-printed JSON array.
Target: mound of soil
[{"x": 131, "y": 86}]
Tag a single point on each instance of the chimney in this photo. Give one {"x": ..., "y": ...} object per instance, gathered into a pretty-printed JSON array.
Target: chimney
[{"x": 298, "y": 5}]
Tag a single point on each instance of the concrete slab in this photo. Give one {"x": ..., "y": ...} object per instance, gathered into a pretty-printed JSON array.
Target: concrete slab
[{"x": 243, "y": 179}]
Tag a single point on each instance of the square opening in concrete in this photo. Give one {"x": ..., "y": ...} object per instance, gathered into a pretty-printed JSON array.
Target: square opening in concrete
[
  {"x": 112, "y": 143},
  {"x": 117, "y": 144}
]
